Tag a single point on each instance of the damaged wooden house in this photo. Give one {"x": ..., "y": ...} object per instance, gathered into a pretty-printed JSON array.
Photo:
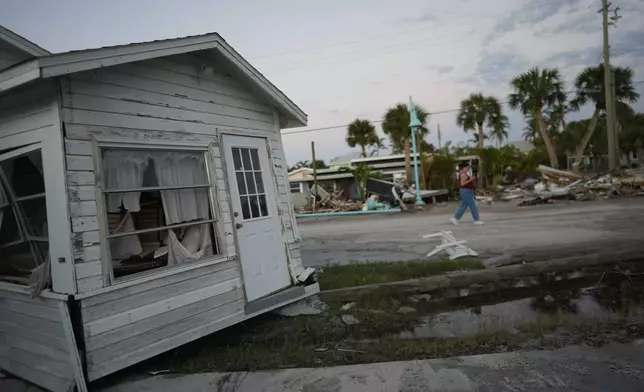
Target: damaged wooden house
[{"x": 143, "y": 203}]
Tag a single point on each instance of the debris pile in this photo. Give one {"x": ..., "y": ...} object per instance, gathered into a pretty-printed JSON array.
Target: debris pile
[{"x": 555, "y": 184}]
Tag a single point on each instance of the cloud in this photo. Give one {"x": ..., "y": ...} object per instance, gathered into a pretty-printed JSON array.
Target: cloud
[
  {"x": 445, "y": 69},
  {"x": 535, "y": 11},
  {"x": 498, "y": 67},
  {"x": 441, "y": 69},
  {"x": 571, "y": 58},
  {"x": 427, "y": 16},
  {"x": 629, "y": 43}
]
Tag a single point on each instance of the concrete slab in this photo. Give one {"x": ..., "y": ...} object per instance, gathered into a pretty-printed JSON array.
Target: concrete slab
[
  {"x": 615, "y": 367},
  {"x": 562, "y": 229}
]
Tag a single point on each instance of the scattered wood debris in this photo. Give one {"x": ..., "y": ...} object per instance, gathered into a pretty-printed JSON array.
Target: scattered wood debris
[{"x": 555, "y": 184}]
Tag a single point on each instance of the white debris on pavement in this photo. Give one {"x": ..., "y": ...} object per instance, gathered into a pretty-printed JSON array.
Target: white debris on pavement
[
  {"x": 450, "y": 245},
  {"x": 308, "y": 306},
  {"x": 348, "y": 306},
  {"x": 349, "y": 319}
]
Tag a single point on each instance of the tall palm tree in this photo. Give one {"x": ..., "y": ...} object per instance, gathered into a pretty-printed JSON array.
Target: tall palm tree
[
  {"x": 477, "y": 111},
  {"x": 362, "y": 133},
  {"x": 536, "y": 90},
  {"x": 499, "y": 129},
  {"x": 396, "y": 126},
  {"x": 589, "y": 86}
]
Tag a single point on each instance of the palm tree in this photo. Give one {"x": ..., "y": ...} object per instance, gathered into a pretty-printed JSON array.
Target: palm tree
[
  {"x": 301, "y": 164},
  {"x": 589, "y": 86},
  {"x": 362, "y": 133},
  {"x": 499, "y": 129},
  {"x": 396, "y": 126},
  {"x": 477, "y": 111},
  {"x": 380, "y": 145},
  {"x": 534, "y": 91}
]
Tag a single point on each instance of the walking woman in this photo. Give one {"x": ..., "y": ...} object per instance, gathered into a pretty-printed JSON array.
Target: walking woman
[{"x": 467, "y": 184}]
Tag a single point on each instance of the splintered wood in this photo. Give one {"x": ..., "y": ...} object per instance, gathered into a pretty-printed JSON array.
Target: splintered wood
[{"x": 331, "y": 202}]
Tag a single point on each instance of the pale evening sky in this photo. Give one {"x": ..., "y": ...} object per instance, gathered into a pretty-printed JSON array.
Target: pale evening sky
[{"x": 339, "y": 60}]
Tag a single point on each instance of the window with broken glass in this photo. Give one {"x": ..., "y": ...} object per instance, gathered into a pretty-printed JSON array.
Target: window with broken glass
[
  {"x": 24, "y": 243},
  {"x": 158, "y": 207}
]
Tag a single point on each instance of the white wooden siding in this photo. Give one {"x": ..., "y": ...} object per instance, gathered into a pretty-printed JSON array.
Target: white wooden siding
[
  {"x": 33, "y": 342},
  {"x": 30, "y": 115},
  {"x": 9, "y": 57},
  {"x": 166, "y": 100},
  {"x": 27, "y": 109},
  {"x": 126, "y": 326}
]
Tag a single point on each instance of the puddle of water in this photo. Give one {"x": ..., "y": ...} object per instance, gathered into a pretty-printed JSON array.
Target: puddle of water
[{"x": 584, "y": 304}]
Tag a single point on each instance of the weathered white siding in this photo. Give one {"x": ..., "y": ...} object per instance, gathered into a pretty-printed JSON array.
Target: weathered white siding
[
  {"x": 10, "y": 56},
  {"x": 168, "y": 100},
  {"x": 33, "y": 341},
  {"x": 28, "y": 109},
  {"x": 128, "y": 325},
  {"x": 30, "y": 115}
]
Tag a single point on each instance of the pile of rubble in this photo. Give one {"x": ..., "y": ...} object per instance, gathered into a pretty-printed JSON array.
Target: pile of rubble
[
  {"x": 557, "y": 184},
  {"x": 329, "y": 202}
]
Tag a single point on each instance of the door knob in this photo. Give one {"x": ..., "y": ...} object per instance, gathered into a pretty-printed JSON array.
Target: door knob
[{"x": 239, "y": 225}]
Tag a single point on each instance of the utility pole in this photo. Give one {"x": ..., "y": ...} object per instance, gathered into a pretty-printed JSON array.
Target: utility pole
[
  {"x": 315, "y": 176},
  {"x": 439, "y": 138},
  {"x": 609, "y": 90}
]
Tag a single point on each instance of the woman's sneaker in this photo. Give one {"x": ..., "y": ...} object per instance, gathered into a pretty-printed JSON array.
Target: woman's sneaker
[
  {"x": 454, "y": 221},
  {"x": 479, "y": 223}
]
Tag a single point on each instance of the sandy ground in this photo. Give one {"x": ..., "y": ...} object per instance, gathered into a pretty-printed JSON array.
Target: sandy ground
[{"x": 510, "y": 232}]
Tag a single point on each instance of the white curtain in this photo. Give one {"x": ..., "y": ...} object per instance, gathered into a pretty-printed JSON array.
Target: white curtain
[
  {"x": 184, "y": 205},
  {"x": 124, "y": 169},
  {"x": 123, "y": 247}
]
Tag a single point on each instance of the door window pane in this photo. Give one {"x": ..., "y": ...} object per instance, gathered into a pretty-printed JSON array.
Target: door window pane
[
  {"x": 245, "y": 205},
  {"x": 255, "y": 158},
  {"x": 237, "y": 159},
  {"x": 263, "y": 208},
  {"x": 259, "y": 183},
  {"x": 254, "y": 207},
  {"x": 251, "y": 183},
  {"x": 246, "y": 159},
  {"x": 241, "y": 183}
]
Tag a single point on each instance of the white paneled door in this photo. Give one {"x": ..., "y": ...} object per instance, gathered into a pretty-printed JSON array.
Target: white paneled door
[{"x": 259, "y": 235}]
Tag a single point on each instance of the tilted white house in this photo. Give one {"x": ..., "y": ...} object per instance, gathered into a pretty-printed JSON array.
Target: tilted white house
[{"x": 143, "y": 203}]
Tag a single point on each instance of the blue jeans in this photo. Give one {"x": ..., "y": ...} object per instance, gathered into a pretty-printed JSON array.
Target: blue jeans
[{"x": 467, "y": 200}]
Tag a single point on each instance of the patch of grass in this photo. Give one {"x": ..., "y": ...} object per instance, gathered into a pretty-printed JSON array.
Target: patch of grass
[{"x": 358, "y": 274}]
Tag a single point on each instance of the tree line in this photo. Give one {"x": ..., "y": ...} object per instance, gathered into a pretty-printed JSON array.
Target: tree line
[{"x": 540, "y": 96}]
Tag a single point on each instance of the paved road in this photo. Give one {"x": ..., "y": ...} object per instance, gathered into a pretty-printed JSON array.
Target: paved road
[
  {"x": 616, "y": 367},
  {"x": 510, "y": 232}
]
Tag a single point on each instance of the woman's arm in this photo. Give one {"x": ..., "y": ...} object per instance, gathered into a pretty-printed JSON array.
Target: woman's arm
[{"x": 464, "y": 180}]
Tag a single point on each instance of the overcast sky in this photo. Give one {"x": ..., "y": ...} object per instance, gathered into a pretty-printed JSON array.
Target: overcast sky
[{"x": 339, "y": 60}]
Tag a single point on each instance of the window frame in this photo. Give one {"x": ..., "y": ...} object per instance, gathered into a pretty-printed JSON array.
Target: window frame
[
  {"x": 13, "y": 201},
  {"x": 98, "y": 146}
]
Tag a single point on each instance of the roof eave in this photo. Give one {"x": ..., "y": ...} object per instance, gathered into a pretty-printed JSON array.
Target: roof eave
[
  {"x": 72, "y": 62},
  {"x": 19, "y": 74},
  {"x": 22, "y": 43}
]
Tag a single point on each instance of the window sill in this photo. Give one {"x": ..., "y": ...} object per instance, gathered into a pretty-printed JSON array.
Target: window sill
[{"x": 152, "y": 275}]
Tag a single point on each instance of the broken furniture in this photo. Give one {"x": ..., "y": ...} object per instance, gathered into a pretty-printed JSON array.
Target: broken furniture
[{"x": 450, "y": 245}]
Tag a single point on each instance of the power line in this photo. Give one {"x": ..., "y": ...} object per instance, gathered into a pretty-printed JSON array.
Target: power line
[
  {"x": 360, "y": 55},
  {"x": 429, "y": 114},
  {"x": 350, "y": 42}
]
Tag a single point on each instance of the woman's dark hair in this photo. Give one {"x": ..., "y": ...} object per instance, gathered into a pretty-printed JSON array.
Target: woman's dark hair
[{"x": 463, "y": 165}]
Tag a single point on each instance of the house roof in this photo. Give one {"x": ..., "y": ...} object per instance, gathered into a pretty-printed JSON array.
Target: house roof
[
  {"x": 52, "y": 65},
  {"x": 22, "y": 44}
]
